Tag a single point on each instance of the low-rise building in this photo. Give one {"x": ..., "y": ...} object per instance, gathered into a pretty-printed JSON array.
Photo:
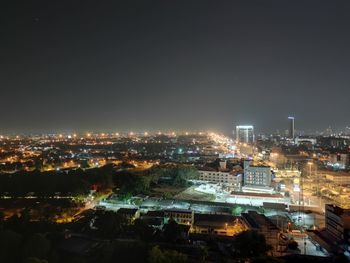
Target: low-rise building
[
  {"x": 130, "y": 214},
  {"x": 181, "y": 216},
  {"x": 338, "y": 178},
  {"x": 224, "y": 225},
  {"x": 338, "y": 160},
  {"x": 305, "y": 140},
  {"x": 154, "y": 219},
  {"x": 264, "y": 226}
]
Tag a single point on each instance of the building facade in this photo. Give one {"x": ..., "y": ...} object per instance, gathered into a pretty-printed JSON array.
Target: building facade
[
  {"x": 130, "y": 214},
  {"x": 305, "y": 140},
  {"x": 339, "y": 160},
  {"x": 181, "y": 216},
  {"x": 213, "y": 224},
  {"x": 231, "y": 178},
  {"x": 291, "y": 128},
  {"x": 245, "y": 134},
  {"x": 337, "y": 223},
  {"x": 257, "y": 175},
  {"x": 338, "y": 227}
]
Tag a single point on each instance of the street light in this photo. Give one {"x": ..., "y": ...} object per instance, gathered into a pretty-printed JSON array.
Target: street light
[{"x": 310, "y": 164}]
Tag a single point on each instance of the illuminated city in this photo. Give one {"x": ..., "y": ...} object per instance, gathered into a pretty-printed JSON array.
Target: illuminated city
[
  {"x": 224, "y": 183},
  {"x": 175, "y": 132}
]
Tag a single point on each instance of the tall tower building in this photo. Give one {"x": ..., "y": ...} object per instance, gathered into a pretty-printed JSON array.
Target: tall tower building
[
  {"x": 245, "y": 134},
  {"x": 291, "y": 128}
]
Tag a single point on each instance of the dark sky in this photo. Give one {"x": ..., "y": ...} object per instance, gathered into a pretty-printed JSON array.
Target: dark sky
[{"x": 148, "y": 65}]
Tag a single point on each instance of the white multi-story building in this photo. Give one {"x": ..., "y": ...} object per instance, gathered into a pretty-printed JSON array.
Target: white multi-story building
[
  {"x": 231, "y": 178},
  {"x": 257, "y": 175}
]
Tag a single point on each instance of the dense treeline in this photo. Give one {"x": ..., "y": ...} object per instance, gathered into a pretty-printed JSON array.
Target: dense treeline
[
  {"x": 44, "y": 184},
  {"x": 22, "y": 240},
  {"x": 78, "y": 182},
  {"x": 142, "y": 182},
  {"x": 177, "y": 175}
]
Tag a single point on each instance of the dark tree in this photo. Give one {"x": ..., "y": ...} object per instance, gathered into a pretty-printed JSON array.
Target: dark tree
[
  {"x": 2, "y": 220},
  {"x": 172, "y": 231},
  {"x": 10, "y": 246},
  {"x": 34, "y": 260},
  {"x": 143, "y": 231},
  {"x": 37, "y": 246},
  {"x": 156, "y": 255},
  {"x": 110, "y": 224},
  {"x": 250, "y": 244},
  {"x": 293, "y": 245}
]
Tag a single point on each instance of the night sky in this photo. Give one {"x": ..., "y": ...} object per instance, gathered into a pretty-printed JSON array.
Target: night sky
[{"x": 194, "y": 65}]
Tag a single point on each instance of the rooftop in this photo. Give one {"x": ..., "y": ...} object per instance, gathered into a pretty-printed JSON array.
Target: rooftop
[{"x": 258, "y": 221}]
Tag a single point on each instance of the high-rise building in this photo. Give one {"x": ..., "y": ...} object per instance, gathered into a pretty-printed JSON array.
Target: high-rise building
[
  {"x": 291, "y": 128},
  {"x": 245, "y": 133}
]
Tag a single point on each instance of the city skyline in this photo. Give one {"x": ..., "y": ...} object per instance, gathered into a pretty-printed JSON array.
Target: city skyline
[
  {"x": 283, "y": 131},
  {"x": 197, "y": 66}
]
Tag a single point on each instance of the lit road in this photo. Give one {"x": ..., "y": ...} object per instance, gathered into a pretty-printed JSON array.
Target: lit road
[{"x": 308, "y": 247}]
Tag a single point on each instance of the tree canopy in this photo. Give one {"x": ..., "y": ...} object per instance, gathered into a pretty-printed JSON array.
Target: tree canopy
[
  {"x": 250, "y": 244},
  {"x": 156, "y": 255}
]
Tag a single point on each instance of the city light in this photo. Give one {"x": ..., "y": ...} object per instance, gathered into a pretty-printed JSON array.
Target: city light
[{"x": 175, "y": 131}]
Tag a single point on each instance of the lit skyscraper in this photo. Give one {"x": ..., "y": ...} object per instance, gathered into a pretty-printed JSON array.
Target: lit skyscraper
[
  {"x": 245, "y": 134},
  {"x": 291, "y": 128}
]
